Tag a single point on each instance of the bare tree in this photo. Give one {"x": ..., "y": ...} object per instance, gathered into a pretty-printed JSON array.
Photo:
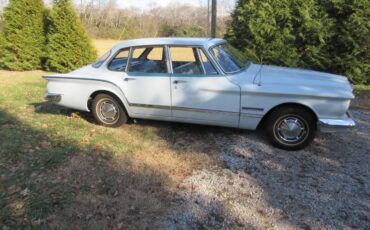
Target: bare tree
[{"x": 103, "y": 18}]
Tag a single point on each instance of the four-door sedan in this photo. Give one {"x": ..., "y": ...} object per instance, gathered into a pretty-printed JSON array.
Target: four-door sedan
[{"x": 205, "y": 81}]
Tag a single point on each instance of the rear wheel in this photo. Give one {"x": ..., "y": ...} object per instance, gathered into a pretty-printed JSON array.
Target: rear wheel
[
  {"x": 291, "y": 128},
  {"x": 108, "y": 111}
]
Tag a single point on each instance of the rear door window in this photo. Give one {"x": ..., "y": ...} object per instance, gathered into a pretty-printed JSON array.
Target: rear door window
[
  {"x": 148, "y": 60},
  {"x": 119, "y": 62},
  {"x": 101, "y": 60}
]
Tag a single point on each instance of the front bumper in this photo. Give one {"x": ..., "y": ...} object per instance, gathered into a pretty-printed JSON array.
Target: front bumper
[
  {"x": 336, "y": 125},
  {"x": 53, "y": 97}
]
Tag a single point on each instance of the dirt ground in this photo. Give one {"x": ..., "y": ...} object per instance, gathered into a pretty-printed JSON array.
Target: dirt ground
[{"x": 256, "y": 186}]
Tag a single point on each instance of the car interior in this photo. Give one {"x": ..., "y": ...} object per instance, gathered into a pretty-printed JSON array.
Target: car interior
[{"x": 185, "y": 60}]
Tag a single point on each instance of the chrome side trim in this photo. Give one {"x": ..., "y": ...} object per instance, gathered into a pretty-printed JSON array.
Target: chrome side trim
[
  {"x": 184, "y": 109},
  {"x": 251, "y": 115},
  {"x": 275, "y": 94},
  {"x": 252, "y": 108},
  {"x": 335, "y": 125},
  {"x": 53, "y": 97},
  {"x": 160, "y": 106},
  {"x": 205, "y": 111},
  {"x": 149, "y": 106}
]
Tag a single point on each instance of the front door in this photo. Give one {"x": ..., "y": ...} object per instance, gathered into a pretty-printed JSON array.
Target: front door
[{"x": 199, "y": 93}]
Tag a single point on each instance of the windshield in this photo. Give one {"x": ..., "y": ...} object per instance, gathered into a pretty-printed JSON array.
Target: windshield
[
  {"x": 230, "y": 59},
  {"x": 101, "y": 60}
]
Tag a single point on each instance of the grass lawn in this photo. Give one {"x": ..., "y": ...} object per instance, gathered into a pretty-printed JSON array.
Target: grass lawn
[
  {"x": 57, "y": 168},
  {"x": 103, "y": 45},
  {"x": 362, "y": 87}
]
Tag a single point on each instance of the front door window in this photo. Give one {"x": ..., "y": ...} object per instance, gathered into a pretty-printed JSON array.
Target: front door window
[{"x": 190, "y": 61}]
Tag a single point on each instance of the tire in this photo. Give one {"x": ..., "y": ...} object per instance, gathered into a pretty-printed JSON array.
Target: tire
[
  {"x": 108, "y": 111},
  {"x": 291, "y": 128}
]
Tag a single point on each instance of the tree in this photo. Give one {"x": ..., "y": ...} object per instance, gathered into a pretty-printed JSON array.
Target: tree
[
  {"x": 317, "y": 34},
  {"x": 23, "y": 45},
  {"x": 349, "y": 46},
  {"x": 68, "y": 46},
  {"x": 284, "y": 32}
]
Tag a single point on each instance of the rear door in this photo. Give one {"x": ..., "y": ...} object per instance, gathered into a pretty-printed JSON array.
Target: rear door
[
  {"x": 146, "y": 83},
  {"x": 199, "y": 93}
]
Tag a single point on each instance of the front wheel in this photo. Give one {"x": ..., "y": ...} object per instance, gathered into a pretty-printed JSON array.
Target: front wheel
[
  {"x": 291, "y": 128},
  {"x": 108, "y": 111}
]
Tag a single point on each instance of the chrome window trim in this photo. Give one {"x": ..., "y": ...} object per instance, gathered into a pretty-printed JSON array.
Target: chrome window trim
[
  {"x": 219, "y": 72},
  {"x": 132, "y": 48},
  {"x": 201, "y": 62},
  {"x": 105, "y": 61},
  {"x": 225, "y": 72},
  {"x": 110, "y": 59}
]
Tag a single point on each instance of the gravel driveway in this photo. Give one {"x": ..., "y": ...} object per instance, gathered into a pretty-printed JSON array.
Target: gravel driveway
[{"x": 256, "y": 186}]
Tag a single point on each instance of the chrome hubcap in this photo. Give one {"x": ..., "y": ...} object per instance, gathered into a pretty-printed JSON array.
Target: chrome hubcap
[
  {"x": 108, "y": 111},
  {"x": 291, "y": 129}
]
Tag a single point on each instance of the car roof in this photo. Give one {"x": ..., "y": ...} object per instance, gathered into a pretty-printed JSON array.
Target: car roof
[{"x": 205, "y": 42}]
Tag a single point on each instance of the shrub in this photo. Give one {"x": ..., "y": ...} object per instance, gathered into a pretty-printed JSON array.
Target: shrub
[
  {"x": 282, "y": 32},
  {"x": 167, "y": 30},
  {"x": 324, "y": 35},
  {"x": 23, "y": 39},
  {"x": 68, "y": 46},
  {"x": 349, "y": 45}
]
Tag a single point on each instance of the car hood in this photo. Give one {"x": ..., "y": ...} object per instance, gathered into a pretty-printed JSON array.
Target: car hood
[
  {"x": 295, "y": 76},
  {"x": 293, "y": 81}
]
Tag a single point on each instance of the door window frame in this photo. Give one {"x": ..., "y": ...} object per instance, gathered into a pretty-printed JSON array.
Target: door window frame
[
  {"x": 115, "y": 55},
  {"x": 198, "y": 48},
  {"x": 166, "y": 56}
]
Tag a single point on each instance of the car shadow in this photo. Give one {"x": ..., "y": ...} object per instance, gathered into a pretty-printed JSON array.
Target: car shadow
[
  {"x": 50, "y": 181},
  {"x": 51, "y": 108},
  {"x": 323, "y": 186}
]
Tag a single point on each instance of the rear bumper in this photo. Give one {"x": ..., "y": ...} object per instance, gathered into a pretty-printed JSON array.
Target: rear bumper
[
  {"x": 336, "y": 125},
  {"x": 53, "y": 97}
]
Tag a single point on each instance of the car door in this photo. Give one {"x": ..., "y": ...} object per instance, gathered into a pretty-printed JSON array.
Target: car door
[
  {"x": 147, "y": 82},
  {"x": 199, "y": 93}
]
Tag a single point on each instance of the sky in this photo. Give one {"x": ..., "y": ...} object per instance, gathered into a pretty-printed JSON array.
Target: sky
[
  {"x": 141, "y": 3},
  {"x": 148, "y": 4}
]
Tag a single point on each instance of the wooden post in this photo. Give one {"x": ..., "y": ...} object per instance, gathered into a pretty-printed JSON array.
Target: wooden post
[
  {"x": 209, "y": 18},
  {"x": 214, "y": 19}
]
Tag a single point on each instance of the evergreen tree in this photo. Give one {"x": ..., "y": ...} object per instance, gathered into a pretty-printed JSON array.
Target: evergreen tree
[
  {"x": 349, "y": 47},
  {"x": 68, "y": 46},
  {"x": 317, "y": 34},
  {"x": 23, "y": 40},
  {"x": 283, "y": 32}
]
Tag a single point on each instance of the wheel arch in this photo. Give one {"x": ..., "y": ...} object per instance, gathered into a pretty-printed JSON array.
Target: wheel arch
[
  {"x": 96, "y": 93},
  {"x": 289, "y": 104}
]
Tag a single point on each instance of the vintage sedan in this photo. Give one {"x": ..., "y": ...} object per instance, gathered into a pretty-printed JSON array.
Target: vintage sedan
[{"x": 205, "y": 81}]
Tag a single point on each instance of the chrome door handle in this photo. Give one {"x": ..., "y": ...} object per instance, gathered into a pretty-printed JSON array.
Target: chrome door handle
[
  {"x": 179, "y": 82},
  {"x": 129, "y": 79}
]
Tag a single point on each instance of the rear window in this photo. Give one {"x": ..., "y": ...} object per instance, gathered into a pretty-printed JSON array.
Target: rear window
[{"x": 101, "y": 60}]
